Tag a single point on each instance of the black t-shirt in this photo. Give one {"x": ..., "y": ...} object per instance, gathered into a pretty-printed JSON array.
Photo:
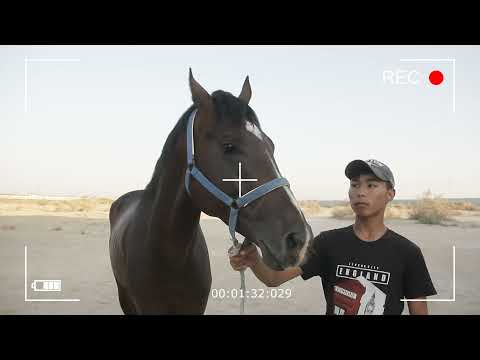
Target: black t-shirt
[{"x": 367, "y": 277}]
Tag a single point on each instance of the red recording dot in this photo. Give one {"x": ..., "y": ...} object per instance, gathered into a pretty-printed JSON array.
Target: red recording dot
[{"x": 436, "y": 77}]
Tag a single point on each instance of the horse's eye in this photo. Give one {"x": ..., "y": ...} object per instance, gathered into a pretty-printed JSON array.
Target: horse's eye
[{"x": 228, "y": 147}]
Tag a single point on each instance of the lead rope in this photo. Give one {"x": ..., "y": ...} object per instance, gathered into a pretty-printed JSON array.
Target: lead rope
[{"x": 234, "y": 250}]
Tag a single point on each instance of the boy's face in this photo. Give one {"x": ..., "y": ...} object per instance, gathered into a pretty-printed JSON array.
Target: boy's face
[{"x": 369, "y": 195}]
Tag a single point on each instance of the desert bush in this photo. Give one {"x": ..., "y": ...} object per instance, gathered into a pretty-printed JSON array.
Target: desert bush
[
  {"x": 342, "y": 212},
  {"x": 431, "y": 209},
  {"x": 8, "y": 227},
  {"x": 463, "y": 206}
]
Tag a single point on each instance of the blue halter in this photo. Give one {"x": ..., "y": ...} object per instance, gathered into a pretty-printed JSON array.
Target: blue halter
[{"x": 234, "y": 204}]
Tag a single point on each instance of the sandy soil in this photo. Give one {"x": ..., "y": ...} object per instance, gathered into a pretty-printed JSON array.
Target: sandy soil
[{"x": 75, "y": 251}]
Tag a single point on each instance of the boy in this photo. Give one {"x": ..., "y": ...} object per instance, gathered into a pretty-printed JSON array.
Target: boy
[{"x": 365, "y": 268}]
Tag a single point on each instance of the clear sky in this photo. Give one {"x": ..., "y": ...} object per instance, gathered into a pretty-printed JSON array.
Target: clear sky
[{"x": 95, "y": 123}]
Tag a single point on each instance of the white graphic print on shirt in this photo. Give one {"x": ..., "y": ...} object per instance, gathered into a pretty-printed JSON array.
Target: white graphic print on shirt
[
  {"x": 369, "y": 272},
  {"x": 356, "y": 294}
]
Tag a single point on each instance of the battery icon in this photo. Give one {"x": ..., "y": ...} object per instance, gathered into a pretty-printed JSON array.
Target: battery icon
[{"x": 47, "y": 285}]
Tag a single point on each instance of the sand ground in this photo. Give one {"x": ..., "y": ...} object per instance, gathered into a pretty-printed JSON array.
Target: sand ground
[{"x": 75, "y": 251}]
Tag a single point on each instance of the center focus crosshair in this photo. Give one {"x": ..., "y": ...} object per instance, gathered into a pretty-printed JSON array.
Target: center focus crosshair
[{"x": 240, "y": 179}]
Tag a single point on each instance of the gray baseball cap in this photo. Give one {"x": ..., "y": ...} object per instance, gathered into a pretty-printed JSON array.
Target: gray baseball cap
[{"x": 379, "y": 169}]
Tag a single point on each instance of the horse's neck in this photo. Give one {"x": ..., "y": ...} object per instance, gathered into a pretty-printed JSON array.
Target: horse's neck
[{"x": 174, "y": 220}]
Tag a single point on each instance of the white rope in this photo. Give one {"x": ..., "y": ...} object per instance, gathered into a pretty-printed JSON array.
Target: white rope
[
  {"x": 234, "y": 250},
  {"x": 242, "y": 286}
]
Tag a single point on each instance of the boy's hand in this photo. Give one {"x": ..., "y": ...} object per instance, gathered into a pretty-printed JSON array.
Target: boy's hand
[{"x": 248, "y": 257}]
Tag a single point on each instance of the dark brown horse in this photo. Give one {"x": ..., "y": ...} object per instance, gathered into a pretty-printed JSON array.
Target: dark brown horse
[{"x": 158, "y": 252}]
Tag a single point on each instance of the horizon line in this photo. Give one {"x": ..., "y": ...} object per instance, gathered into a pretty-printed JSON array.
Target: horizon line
[{"x": 68, "y": 197}]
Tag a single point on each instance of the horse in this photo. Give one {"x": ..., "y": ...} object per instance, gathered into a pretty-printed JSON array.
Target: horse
[{"x": 158, "y": 251}]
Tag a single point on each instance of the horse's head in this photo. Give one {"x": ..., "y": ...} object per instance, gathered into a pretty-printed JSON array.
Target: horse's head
[{"x": 227, "y": 133}]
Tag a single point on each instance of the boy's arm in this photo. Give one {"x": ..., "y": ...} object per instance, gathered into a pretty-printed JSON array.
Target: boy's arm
[
  {"x": 274, "y": 278},
  {"x": 418, "y": 307},
  {"x": 249, "y": 257},
  {"x": 417, "y": 282}
]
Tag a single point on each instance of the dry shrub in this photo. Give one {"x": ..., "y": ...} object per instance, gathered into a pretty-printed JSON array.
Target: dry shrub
[
  {"x": 310, "y": 207},
  {"x": 8, "y": 227},
  {"x": 342, "y": 212},
  {"x": 398, "y": 211},
  {"x": 431, "y": 209},
  {"x": 463, "y": 206}
]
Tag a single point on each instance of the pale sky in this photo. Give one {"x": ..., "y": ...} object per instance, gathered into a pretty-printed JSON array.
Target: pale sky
[{"x": 94, "y": 123}]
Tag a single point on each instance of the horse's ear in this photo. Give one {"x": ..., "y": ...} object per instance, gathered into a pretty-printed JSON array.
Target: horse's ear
[
  {"x": 246, "y": 93},
  {"x": 200, "y": 96}
]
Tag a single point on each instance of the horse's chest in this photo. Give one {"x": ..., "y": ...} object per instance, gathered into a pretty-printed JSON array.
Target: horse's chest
[{"x": 175, "y": 292}]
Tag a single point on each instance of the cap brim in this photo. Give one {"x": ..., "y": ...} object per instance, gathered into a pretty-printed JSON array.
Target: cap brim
[{"x": 357, "y": 167}]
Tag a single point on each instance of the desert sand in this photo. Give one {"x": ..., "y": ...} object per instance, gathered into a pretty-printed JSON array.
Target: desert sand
[{"x": 72, "y": 246}]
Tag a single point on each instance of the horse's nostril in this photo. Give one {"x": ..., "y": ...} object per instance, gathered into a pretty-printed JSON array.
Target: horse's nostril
[{"x": 291, "y": 241}]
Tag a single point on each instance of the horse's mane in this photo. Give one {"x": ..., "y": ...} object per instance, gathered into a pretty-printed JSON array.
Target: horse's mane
[{"x": 226, "y": 105}]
